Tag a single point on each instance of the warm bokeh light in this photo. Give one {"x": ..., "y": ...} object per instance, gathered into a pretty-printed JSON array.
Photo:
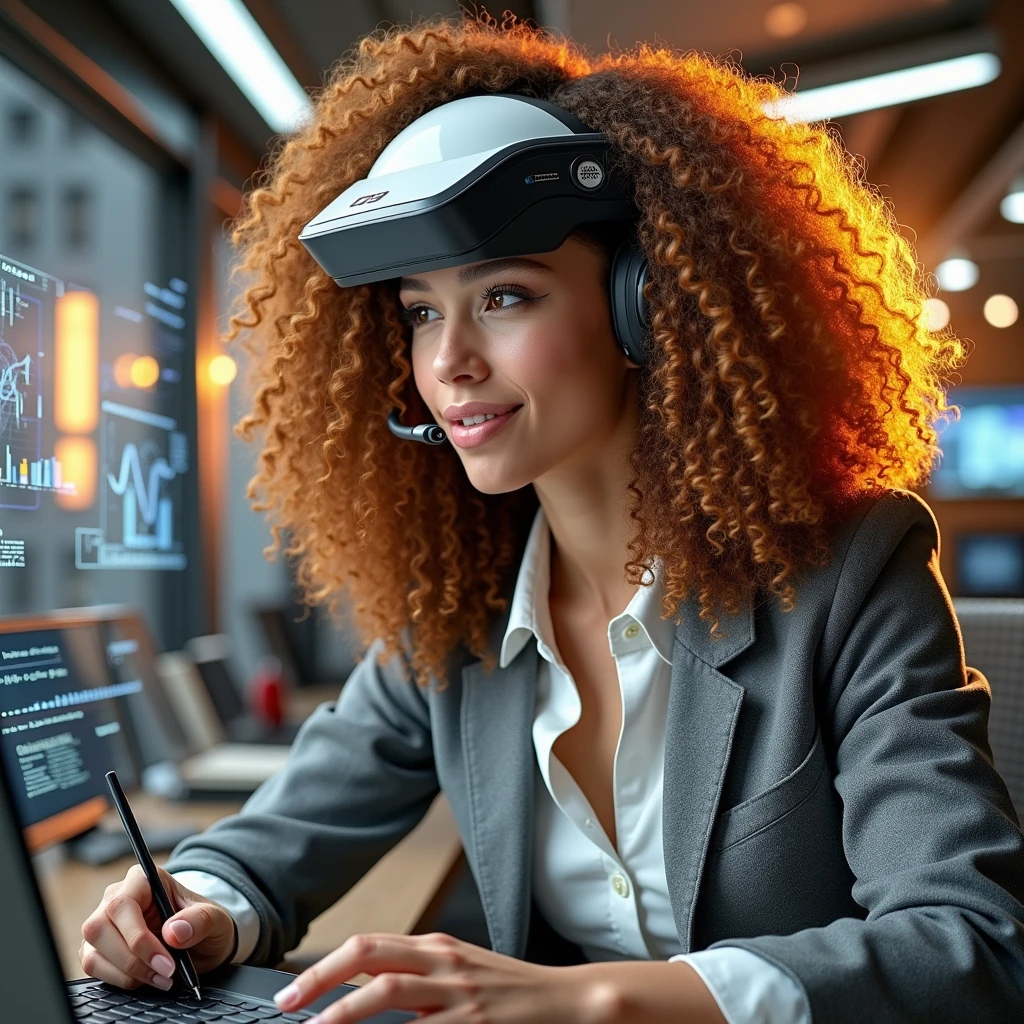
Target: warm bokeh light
[
  {"x": 76, "y": 384},
  {"x": 77, "y": 458},
  {"x": 957, "y": 274},
  {"x": 1000, "y": 311},
  {"x": 145, "y": 372},
  {"x": 935, "y": 314},
  {"x": 785, "y": 20},
  {"x": 222, "y": 370},
  {"x": 123, "y": 370}
]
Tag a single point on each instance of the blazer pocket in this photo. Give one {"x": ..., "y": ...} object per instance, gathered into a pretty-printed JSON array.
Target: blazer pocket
[{"x": 766, "y": 808}]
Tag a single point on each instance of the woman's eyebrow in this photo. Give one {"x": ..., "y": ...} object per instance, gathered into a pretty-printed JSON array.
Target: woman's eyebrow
[{"x": 473, "y": 273}]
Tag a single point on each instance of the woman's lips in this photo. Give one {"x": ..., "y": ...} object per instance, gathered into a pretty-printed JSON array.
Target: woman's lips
[{"x": 470, "y": 437}]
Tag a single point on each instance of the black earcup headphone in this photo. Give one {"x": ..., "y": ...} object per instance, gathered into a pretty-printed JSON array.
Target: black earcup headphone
[{"x": 630, "y": 314}]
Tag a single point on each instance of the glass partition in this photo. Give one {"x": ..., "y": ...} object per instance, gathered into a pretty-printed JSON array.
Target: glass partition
[{"x": 97, "y": 409}]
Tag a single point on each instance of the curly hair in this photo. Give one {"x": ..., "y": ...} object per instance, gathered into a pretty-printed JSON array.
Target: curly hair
[{"x": 791, "y": 372}]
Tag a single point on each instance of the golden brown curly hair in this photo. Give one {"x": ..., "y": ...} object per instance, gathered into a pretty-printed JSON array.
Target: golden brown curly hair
[{"x": 791, "y": 372}]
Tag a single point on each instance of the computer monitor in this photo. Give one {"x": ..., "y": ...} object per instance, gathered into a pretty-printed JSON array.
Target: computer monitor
[
  {"x": 990, "y": 564},
  {"x": 983, "y": 450},
  {"x": 71, "y": 704}
]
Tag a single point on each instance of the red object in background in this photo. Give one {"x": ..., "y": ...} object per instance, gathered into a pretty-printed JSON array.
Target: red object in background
[{"x": 266, "y": 692}]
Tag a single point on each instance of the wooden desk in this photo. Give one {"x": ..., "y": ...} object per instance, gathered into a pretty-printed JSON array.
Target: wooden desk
[{"x": 398, "y": 895}]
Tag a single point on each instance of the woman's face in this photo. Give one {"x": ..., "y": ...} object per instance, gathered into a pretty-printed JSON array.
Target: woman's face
[{"x": 532, "y": 338}]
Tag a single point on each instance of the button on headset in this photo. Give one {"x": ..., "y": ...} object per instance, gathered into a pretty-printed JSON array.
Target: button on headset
[{"x": 587, "y": 174}]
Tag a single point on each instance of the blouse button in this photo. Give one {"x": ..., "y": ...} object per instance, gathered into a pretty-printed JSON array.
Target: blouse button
[
  {"x": 589, "y": 823},
  {"x": 631, "y": 631},
  {"x": 620, "y": 885}
]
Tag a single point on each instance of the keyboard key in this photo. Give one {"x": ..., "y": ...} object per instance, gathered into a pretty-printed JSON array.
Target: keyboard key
[{"x": 238, "y": 1018}]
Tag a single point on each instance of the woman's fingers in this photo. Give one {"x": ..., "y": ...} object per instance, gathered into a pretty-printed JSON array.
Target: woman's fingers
[
  {"x": 388, "y": 991},
  {"x": 96, "y": 965},
  {"x": 372, "y": 954},
  {"x": 131, "y": 943}
]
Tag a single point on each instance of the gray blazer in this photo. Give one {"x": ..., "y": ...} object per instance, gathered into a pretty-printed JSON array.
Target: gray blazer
[{"x": 829, "y": 796}]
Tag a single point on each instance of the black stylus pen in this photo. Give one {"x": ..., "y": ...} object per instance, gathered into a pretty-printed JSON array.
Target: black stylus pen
[{"x": 145, "y": 859}]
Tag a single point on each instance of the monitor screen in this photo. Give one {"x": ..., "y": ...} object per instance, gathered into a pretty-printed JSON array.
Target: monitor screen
[
  {"x": 990, "y": 564},
  {"x": 69, "y": 696},
  {"x": 983, "y": 451}
]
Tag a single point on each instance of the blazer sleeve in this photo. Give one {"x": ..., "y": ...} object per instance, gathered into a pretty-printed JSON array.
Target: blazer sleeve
[
  {"x": 359, "y": 777},
  {"x": 928, "y": 827}
]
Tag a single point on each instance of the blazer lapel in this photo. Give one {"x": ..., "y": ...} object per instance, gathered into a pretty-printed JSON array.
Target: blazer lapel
[
  {"x": 703, "y": 708},
  {"x": 497, "y": 744}
]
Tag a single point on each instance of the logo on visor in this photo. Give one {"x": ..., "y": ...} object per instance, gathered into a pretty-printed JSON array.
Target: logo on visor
[{"x": 371, "y": 198}]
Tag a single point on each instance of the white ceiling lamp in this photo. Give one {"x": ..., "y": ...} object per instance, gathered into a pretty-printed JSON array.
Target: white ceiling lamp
[
  {"x": 935, "y": 314},
  {"x": 240, "y": 46},
  {"x": 957, "y": 273},
  {"x": 1012, "y": 205},
  {"x": 1000, "y": 311},
  {"x": 888, "y": 90}
]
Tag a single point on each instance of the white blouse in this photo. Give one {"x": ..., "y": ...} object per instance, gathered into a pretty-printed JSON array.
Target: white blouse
[{"x": 612, "y": 902}]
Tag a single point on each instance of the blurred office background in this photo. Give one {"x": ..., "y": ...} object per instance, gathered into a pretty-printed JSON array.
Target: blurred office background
[{"x": 128, "y": 132}]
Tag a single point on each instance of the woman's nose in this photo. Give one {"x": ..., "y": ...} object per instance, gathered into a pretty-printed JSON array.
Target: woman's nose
[{"x": 458, "y": 353}]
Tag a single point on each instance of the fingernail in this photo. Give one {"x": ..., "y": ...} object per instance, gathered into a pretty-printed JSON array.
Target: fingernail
[
  {"x": 162, "y": 965},
  {"x": 287, "y": 996},
  {"x": 181, "y": 930},
  {"x": 161, "y": 982}
]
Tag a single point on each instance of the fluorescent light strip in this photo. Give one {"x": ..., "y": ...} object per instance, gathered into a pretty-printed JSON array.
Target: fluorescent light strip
[
  {"x": 231, "y": 34},
  {"x": 888, "y": 89}
]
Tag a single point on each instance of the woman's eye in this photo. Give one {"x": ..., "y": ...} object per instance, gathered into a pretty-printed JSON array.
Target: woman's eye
[
  {"x": 503, "y": 297},
  {"x": 416, "y": 316}
]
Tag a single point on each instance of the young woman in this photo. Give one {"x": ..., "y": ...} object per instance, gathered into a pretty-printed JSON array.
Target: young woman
[{"x": 671, "y": 637}]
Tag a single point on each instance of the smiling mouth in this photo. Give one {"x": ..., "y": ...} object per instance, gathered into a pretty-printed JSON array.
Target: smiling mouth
[{"x": 478, "y": 433}]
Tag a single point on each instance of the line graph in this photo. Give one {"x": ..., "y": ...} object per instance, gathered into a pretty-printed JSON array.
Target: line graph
[
  {"x": 12, "y": 401},
  {"x": 140, "y": 511}
]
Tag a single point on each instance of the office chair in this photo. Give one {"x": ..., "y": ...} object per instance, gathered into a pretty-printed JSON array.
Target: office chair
[{"x": 993, "y": 632}]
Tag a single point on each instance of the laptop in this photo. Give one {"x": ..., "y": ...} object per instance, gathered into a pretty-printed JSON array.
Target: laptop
[
  {"x": 53, "y": 732},
  {"x": 215, "y": 767}
]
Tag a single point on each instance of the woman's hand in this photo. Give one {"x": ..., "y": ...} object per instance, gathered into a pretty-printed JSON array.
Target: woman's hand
[
  {"x": 121, "y": 945},
  {"x": 446, "y": 981}
]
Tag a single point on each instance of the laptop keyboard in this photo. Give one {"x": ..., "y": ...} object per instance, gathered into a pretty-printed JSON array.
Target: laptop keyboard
[{"x": 104, "y": 1004}]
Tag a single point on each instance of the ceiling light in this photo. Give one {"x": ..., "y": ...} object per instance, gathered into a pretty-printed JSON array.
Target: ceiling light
[
  {"x": 957, "y": 274},
  {"x": 1012, "y": 205},
  {"x": 888, "y": 89},
  {"x": 231, "y": 34},
  {"x": 785, "y": 20},
  {"x": 1000, "y": 311},
  {"x": 935, "y": 314}
]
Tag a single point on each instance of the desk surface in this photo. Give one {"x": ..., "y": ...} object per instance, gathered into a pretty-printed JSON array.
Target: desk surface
[{"x": 392, "y": 896}]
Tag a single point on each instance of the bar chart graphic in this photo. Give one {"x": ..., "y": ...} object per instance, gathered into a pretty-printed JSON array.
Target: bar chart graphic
[
  {"x": 26, "y": 470},
  {"x": 144, "y": 458}
]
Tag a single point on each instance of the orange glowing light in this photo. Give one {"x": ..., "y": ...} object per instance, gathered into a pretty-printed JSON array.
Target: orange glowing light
[
  {"x": 123, "y": 370},
  {"x": 785, "y": 20},
  {"x": 145, "y": 372},
  {"x": 76, "y": 384},
  {"x": 77, "y": 457},
  {"x": 222, "y": 370}
]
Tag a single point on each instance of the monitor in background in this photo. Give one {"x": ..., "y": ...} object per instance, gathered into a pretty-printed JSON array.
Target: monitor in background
[
  {"x": 64, "y": 722},
  {"x": 990, "y": 564},
  {"x": 983, "y": 451},
  {"x": 210, "y": 654}
]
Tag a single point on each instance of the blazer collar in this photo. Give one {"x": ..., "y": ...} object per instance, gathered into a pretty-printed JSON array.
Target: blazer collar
[{"x": 496, "y": 725}]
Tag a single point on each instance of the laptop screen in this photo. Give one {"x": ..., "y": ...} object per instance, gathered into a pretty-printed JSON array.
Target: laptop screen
[{"x": 66, "y": 718}]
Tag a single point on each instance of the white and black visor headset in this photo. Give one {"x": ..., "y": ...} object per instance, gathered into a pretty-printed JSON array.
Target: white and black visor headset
[{"x": 482, "y": 177}]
